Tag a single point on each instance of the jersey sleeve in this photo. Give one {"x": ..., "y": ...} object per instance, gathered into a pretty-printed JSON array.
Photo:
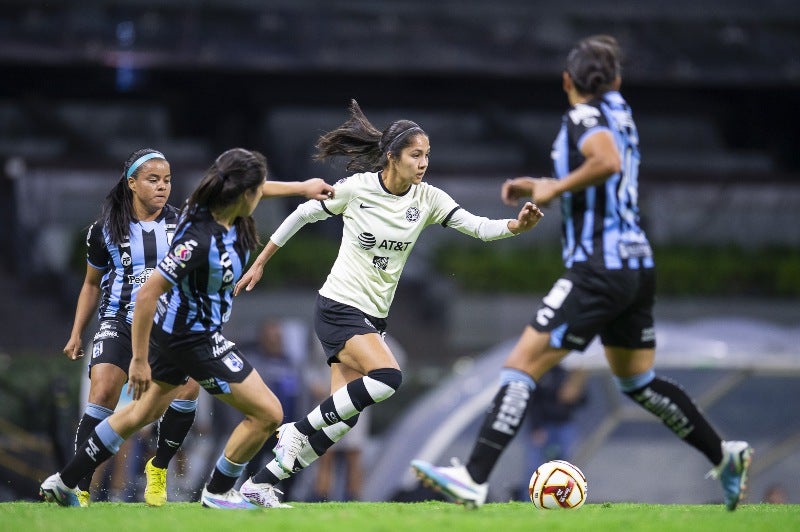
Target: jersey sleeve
[
  {"x": 584, "y": 120},
  {"x": 442, "y": 206},
  {"x": 480, "y": 227},
  {"x": 315, "y": 210},
  {"x": 345, "y": 190},
  {"x": 97, "y": 254},
  {"x": 187, "y": 252}
]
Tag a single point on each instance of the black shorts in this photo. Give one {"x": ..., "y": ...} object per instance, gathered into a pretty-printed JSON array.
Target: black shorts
[
  {"x": 335, "y": 323},
  {"x": 209, "y": 358},
  {"x": 112, "y": 344},
  {"x": 616, "y": 304}
]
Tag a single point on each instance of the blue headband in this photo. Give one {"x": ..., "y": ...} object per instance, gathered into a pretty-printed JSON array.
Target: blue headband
[{"x": 143, "y": 159}]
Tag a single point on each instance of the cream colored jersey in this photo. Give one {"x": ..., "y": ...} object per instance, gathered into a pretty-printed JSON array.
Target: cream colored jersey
[{"x": 380, "y": 230}]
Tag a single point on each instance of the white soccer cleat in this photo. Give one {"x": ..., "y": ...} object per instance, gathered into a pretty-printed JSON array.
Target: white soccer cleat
[
  {"x": 230, "y": 500},
  {"x": 454, "y": 482},
  {"x": 265, "y": 494},
  {"x": 732, "y": 471},
  {"x": 53, "y": 489},
  {"x": 290, "y": 443}
]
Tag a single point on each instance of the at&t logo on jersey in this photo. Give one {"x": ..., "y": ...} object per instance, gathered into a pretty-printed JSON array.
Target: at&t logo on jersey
[{"x": 366, "y": 240}]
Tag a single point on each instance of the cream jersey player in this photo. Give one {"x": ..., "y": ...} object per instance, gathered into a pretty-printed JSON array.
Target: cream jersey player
[{"x": 380, "y": 230}]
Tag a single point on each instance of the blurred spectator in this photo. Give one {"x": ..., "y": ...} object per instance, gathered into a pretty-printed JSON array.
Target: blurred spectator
[
  {"x": 552, "y": 431},
  {"x": 775, "y": 494},
  {"x": 269, "y": 356}
]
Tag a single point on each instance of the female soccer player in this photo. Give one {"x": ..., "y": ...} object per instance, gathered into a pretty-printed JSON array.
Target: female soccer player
[
  {"x": 207, "y": 255},
  {"x": 607, "y": 290},
  {"x": 385, "y": 207},
  {"x": 124, "y": 245}
]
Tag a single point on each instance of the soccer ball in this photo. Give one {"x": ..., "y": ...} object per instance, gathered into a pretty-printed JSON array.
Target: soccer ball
[{"x": 558, "y": 484}]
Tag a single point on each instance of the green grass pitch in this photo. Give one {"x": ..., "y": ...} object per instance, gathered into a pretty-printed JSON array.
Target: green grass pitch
[{"x": 380, "y": 516}]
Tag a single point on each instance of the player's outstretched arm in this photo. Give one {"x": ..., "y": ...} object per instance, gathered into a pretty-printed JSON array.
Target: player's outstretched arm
[
  {"x": 314, "y": 188},
  {"x": 256, "y": 270}
]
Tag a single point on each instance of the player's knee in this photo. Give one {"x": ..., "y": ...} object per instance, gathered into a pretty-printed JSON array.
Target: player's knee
[{"x": 382, "y": 383}]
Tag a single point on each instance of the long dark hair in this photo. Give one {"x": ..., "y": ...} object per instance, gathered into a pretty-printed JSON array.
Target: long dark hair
[
  {"x": 234, "y": 172},
  {"x": 117, "y": 212},
  {"x": 593, "y": 64},
  {"x": 363, "y": 144}
]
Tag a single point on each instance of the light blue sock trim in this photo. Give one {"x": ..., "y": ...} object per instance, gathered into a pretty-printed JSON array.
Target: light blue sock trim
[
  {"x": 628, "y": 384},
  {"x": 184, "y": 405},
  {"x": 508, "y": 374},
  {"x": 109, "y": 438},
  {"x": 97, "y": 411},
  {"x": 228, "y": 468}
]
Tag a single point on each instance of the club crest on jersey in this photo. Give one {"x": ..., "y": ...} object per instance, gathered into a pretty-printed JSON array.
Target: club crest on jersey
[
  {"x": 412, "y": 214},
  {"x": 126, "y": 259},
  {"x": 380, "y": 262},
  {"x": 233, "y": 362},
  {"x": 366, "y": 240}
]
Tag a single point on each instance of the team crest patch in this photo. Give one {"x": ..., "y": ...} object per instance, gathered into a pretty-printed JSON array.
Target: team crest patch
[
  {"x": 412, "y": 214},
  {"x": 380, "y": 262},
  {"x": 233, "y": 362}
]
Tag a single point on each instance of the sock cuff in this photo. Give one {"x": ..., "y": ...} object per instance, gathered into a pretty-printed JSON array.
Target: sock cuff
[
  {"x": 97, "y": 411},
  {"x": 184, "y": 405},
  {"x": 229, "y": 468},
  {"x": 629, "y": 384},
  {"x": 108, "y": 436},
  {"x": 510, "y": 374}
]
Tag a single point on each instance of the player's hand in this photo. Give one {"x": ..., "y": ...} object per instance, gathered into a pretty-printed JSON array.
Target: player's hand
[
  {"x": 544, "y": 190},
  {"x": 139, "y": 379},
  {"x": 515, "y": 189},
  {"x": 316, "y": 188},
  {"x": 249, "y": 280},
  {"x": 74, "y": 350},
  {"x": 527, "y": 218}
]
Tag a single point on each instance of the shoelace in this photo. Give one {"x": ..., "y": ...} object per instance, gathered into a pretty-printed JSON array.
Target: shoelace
[
  {"x": 269, "y": 495},
  {"x": 296, "y": 443},
  {"x": 159, "y": 478}
]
